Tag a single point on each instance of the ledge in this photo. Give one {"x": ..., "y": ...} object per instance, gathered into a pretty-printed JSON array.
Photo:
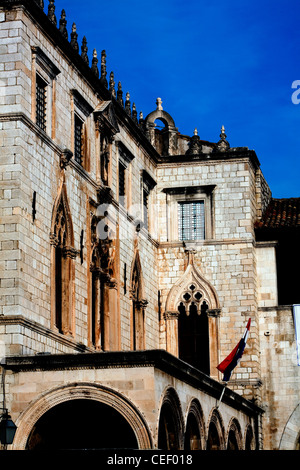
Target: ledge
[
  {"x": 156, "y": 358},
  {"x": 66, "y": 341}
]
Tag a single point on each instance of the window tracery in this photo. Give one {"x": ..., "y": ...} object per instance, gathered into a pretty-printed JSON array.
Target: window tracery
[{"x": 63, "y": 253}]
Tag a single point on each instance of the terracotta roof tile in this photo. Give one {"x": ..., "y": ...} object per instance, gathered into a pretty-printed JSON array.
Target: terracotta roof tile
[{"x": 281, "y": 213}]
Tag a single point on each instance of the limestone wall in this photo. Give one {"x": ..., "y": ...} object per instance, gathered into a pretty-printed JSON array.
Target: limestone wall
[
  {"x": 280, "y": 376},
  {"x": 226, "y": 258},
  {"x": 30, "y": 167}
]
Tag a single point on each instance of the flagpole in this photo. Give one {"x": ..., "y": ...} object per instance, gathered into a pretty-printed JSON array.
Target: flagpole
[{"x": 220, "y": 399}]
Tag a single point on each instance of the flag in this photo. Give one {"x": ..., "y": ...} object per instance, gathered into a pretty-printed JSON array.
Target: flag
[{"x": 234, "y": 357}]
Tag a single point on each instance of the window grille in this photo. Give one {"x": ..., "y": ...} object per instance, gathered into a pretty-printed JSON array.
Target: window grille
[
  {"x": 41, "y": 103},
  {"x": 145, "y": 207},
  {"x": 191, "y": 220},
  {"x": 121, "y": 183},
  {"x": 78, "y": 140}
]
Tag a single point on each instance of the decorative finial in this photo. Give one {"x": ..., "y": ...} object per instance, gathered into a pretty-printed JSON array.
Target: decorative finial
[
  {"x": 159, "y": 104},
  {"x": 84, "y": 50},
  {"x": 141, "y": 121},
  {"x": 134, "y": 113},
  {"x": 40, "y": 3},
  {"x": 63, "y": 24},
  {"x": 112, "y": 84},
  {"x": 195, "y": 145},
  {"x": 51, "y": 12},
  {"x": 94, "y": 67},
  {"x": 120, "y": 94},
  {"x": 103, "y": 69},
  {"x": 127, "y": 104},
  {"x": 222, "y": 145},
  {"x": 74, "y": 37}
]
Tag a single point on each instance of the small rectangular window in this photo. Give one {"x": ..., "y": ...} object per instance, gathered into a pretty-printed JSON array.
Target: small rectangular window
[
  {"x": 191, "y": 220},
  {"x": 78, "y": 129},
  {"x": 41, "y": 102},
  {"x": 145, "y": 207},
  {"x": 122, "y": 184}
]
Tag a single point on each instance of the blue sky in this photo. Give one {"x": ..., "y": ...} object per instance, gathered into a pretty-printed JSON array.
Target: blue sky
[{"x": 212, "y": 63}]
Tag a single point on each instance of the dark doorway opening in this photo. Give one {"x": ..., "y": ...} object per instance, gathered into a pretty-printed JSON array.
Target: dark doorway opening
[
  {"x": 194, "y": 337},
  {"x": 232, "y": 441},
  {"x": 81, "y": 424},
  {"x": 192, "y": 435},
  {"x": 168, "y": 432},
  {"x": 213, "y": 441}
]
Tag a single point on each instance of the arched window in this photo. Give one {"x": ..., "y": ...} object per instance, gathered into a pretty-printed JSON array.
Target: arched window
[
  {"x": 62, "y": 256},
  {"x": 193, "y": 335},
  {"x": 96, "y": 288},
  {"x": 138, "y": 305},
  {"x": 191, "y": 315}
]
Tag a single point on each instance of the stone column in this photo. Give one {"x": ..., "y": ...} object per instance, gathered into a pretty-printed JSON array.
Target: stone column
[
  {"x": 113, "y": 315},
  {"x": 213, "y": 332},
  {"x": 171, "y": 319}
]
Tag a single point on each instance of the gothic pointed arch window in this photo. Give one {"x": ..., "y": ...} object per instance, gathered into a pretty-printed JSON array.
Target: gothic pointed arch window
[
  {"x": 138, "y": 305},
  {"x": 193, "y": 333},
  {"x": 191, "y": 315},
  {"x": 96, "y": 327},
  {"x": 62, "y": 255}
]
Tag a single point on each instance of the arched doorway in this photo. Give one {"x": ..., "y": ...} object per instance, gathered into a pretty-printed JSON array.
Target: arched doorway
[
  {"x": 194, "y": 438},
  {"x": 170, "y": 428},
  {"x": 213, "y": 441},
  {"x": 249, "y": 440},
  {"x": 234, "y": 440},
  {"x": 215, "y": 435},
  {"x": 290, "y": 436},
  {"x": 86, "y": 392},
  {"x": 81, "y": 424}
]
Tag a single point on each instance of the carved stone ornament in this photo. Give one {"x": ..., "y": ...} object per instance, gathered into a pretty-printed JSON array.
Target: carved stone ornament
[
  {"x": 105, "y": 117},
  {"x": 103, "y": 255},
  {"x": 63, "y": 24},
  {"x": 51, "y": 12},
  {"x": 65, "y": 158},
  {"x": 191, "y": 287},
  {"x": 195, "y": 145},
  {"x": 62, "y": 233},
  {"x": 70, "y": 252},
  {"x": 223, "y": 144}
]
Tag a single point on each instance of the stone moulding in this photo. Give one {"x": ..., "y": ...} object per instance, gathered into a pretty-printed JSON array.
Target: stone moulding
[
  {"x": 24, "y": 323},
  {"x": 155, "y": 358},
  {"x": 192, "y": 276},
  {"x": 83, "y": 390}
]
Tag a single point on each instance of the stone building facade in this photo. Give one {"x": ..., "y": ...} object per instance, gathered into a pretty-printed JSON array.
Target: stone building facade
[{"x": 131, "y": 259}]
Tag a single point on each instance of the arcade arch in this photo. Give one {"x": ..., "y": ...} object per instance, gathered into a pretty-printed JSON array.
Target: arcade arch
[{"x": 62, "y": 401}]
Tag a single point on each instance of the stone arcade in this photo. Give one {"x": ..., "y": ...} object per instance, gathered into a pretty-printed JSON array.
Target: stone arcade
[{"x": 132, "y": 257}]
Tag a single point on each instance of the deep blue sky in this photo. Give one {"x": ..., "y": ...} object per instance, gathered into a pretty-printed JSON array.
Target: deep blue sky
[{"x": 213, "y": 63}]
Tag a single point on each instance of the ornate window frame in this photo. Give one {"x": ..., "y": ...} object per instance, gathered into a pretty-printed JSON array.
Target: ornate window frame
[
  {"x": 193, "y": 276},
  {"x": 189, "y": 194},
  {"x": 68, "y": 254},
  {"x": 44, "y": 69}
]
